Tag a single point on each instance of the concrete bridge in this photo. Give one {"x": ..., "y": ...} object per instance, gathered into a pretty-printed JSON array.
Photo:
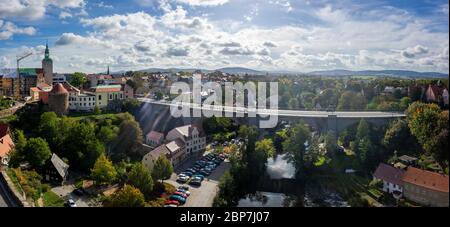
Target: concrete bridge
[{"x": 159, "y": 113}]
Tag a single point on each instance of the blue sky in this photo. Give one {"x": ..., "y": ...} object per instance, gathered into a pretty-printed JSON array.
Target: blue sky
[{"x": 295, "y": 35}]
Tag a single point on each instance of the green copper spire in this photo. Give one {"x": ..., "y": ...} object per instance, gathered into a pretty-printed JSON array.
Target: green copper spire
[{"x": 47, "y": 52}]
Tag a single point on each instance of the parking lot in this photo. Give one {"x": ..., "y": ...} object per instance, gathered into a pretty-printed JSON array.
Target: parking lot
[
  {"x": 201, "y": 196},
  {"x": 65, "y": 192}
]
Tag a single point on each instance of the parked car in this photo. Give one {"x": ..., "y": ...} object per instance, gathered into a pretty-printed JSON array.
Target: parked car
[
  {"x": 71, "y": 203},
  {"x": 170, "y": 205},
  {"x": 198, "y": 176},
  {"x": 78, "y": 192},
  {"x": 172, "y": 202},
  {"x": 178, "y": 198},
  {"x": 184, "y": 187},
  {"x": 182, "y": 179},
  {"x": 188, "y": 193},
  {"x": 180, "y": 194},
  {"x": 204, "y": 173},
  {"x": 189, "y": 174},
  {"x": 196, "y": 182},
  {"x": 191, "y": 170}
]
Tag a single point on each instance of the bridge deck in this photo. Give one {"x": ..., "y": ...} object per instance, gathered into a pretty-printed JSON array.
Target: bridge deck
[{"x": 287, "y": 113}]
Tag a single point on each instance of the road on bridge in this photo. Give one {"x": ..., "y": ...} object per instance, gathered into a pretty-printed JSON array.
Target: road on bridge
[
  {"x": 6, "y": 199},
  {"x": 287, "y": 113}
]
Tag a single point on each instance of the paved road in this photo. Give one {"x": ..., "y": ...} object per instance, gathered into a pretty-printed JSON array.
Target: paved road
[
  {"x": 287, "y": 113},
  {"x": 5, "y": 198},
  {"x": 65, "y": 192}
]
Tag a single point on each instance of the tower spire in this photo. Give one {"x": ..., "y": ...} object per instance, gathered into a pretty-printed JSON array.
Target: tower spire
[{"x": 107, "y": 72}]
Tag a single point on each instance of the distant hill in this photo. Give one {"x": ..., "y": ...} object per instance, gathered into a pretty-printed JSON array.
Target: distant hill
[
  {"x": 338, "y": 72},
  {"x": 394, "y": 73},
  {"x": 240, "y": 70}
]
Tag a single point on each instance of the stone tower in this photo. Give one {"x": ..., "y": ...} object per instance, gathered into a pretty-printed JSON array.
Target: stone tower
[
  {"x": 58, "y": 99},
  {"x": 47, "y": 66}
]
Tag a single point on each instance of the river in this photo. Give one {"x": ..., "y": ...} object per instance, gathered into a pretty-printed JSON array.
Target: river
[{"x": 279, "y": 168}]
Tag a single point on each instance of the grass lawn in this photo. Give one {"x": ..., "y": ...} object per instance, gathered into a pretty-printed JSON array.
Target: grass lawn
[
  {"x": 80, "y": 116},
  {"x": 52, "y": 200}
]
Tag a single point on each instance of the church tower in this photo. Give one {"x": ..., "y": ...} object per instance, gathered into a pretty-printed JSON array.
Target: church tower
[{"x": 47, "y": 66}]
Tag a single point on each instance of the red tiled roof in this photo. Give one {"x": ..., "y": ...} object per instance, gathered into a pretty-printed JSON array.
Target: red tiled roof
[
  {"x": 389, "y": 174},
  {"x": 4, "y": 129},
  {"x": 426, "y": 179},
  {"x": 6, "y": 143},
  {"x": 155, "y": 136},
  {"x": 58, "y": 89}
]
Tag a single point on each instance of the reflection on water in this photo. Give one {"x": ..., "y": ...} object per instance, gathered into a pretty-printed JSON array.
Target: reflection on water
[
  {"x": 279, "y": 168},
  {"x": 267, "y": 199}
]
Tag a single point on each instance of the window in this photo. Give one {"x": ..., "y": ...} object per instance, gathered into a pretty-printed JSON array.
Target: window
[{"x": 100, "y": 97}]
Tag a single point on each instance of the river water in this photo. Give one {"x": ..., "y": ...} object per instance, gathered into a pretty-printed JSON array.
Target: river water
[{"x": 279, "y": 168}]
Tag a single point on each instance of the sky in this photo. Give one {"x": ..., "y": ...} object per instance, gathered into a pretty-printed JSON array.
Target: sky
[{"x": 272, "y": 35}]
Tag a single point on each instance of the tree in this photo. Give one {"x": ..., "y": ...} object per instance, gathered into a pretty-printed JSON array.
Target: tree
[
  {"x": 331, "y": 142},
  {"x": 82, "y": 147},
  {"x": 103, "y": 172},
  {"x": 97, "y": 110},
  {"x": 38, "y": 151},
  {"x": 227, "y": 192},
  {"x": 351, "y": 101},
  {"x": 427, "y": 122},
  {"x": 163, "y": 169},
  {"x": 398, "y": 138},
  {"x": 18, "y": 154},
  {"x": 266, "y": 147},
  {"x": 141, "y": 178},
  {"x": 295, "y": 145},
  {"x": 128, "y": 196},
  {"x": 48, "y": 128},
  {"x": 129, "y": 139},
  {"x": 78, "y": 79}
]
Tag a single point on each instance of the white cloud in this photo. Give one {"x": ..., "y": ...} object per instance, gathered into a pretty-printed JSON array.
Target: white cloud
[
  {"x": 340, "y": 37},
  {"x": 203, "y": 2},
  {"x": 34, "y": 9},
  {"x": 63, "y": 15},
  {"x": 8, "y": 29}
]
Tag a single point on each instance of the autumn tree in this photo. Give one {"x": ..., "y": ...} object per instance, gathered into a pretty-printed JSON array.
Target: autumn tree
[
  {"x": 128, "y": 196},
  {"x": 103, "y": 172}
]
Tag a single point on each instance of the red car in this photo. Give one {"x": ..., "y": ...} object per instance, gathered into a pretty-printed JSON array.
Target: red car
[
  {"x": 180, "y": 194},
  {"x": 172, "y": 202}
]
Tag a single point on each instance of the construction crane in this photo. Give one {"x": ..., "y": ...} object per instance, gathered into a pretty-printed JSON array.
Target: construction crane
[{"x": 20, "y": 58}]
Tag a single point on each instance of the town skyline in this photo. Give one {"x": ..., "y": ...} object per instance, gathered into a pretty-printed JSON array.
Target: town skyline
[{"x": 298, "y": 36}]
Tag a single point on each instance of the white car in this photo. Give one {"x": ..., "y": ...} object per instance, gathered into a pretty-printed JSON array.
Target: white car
[
  {"x": 188, "y": 193},
  {"x": 182, "y": 178},
  {"x": 71, "y": 203}
]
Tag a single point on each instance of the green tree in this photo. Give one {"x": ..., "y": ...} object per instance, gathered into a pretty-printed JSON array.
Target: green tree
[
  {"x": 78, "y": 79},
  {"x": 129, "y": 139},
  {"x": 141, "y": 178},
  {"x": 265, "y": 146},
  {"x": 128, "y": 196},
  {"x": 351, "y": 101},
  {"x": 399, "y": 138},
  {"x": 18, "y": 153},
  {"x": 38, "y": 152},
  {"x": 103, "y": 172},
  {"x": 82, "y": 147},
  {"x": 97, "y": 110},
  {"x": 48, "y": 128},
  {"x": 227, "y": 192},
  {"x": 331, "y": 142},
  {"x": 295, "y": 145},
  {"x": 163, "y": 169}
]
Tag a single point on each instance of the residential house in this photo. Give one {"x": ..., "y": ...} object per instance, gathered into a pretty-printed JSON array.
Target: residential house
[
  {"x": 192, "y": 136},
  {"x": 154, "y": 138},
  {"x": 128, "y": 91},
  {"x": 391, "y": 177},
  {"x": 426, "y": 187},
  {"x": 438, "y": 94},
  {"x": 56, "y": 170},
  {"x": 6, "y": 144},
  {"x": 174, "y": 152},
  {"x": 107, "y": 95}
]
